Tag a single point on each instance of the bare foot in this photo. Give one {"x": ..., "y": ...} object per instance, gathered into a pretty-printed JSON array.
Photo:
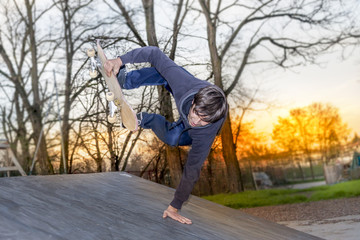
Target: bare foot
[{"x": 173, "y": 213}]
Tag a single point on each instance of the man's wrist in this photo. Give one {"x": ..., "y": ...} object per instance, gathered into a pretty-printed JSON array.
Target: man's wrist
[
  {"x": 119, "y": 61},
  {"x": 172, "y": 209},
  {"x": 176, "y": 203}
]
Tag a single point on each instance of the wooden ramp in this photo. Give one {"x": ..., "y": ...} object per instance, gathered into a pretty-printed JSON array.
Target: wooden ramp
[{"x": 117, "y": 206}]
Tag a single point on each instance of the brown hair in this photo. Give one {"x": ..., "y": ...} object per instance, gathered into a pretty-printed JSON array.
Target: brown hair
[{"x": 210, "y": 104}]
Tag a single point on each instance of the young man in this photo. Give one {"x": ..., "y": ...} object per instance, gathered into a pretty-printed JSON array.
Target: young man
[{"x": 201, "y": 105}]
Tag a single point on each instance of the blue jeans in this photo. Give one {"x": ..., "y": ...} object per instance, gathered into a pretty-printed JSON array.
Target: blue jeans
[{"x": 171, "y": 133}]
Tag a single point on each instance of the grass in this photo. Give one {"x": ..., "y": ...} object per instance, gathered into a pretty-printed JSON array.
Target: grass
[{"x": 270, "y": 197}]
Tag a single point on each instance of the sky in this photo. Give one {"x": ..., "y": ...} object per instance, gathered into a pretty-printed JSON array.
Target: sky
[{"x": 336, "y": 82}]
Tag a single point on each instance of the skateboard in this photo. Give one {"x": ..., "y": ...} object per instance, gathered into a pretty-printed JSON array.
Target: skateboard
[{"x": 114, "y": 96}]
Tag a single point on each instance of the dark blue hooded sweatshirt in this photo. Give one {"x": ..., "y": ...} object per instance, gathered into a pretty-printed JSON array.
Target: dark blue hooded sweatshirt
[{"x": 184, "y": 86}]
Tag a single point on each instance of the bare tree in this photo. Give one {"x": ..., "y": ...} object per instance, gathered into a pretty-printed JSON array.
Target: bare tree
[
  {"x": 147, "y": 104},
  {"x": 14, "y": 127},
  {"x": 27, "y": 55},
  {"x": 166, "y": 108},
  {"x": 262, "y": 32},
  {"x": 78, "y": 25}
]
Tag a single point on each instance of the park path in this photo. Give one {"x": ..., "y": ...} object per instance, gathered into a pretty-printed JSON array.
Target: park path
[
  {"x": 306, "y": 185},
  {"x": 328, "y": 219}
]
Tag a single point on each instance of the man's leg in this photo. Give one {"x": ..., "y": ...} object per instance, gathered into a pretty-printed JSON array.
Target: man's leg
[
  {"x": 172, "y": 134},
  {"x": 148, "y": 76}
]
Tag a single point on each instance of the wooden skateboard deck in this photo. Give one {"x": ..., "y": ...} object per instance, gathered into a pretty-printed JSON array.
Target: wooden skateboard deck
[{"x": 128, "y": 116}]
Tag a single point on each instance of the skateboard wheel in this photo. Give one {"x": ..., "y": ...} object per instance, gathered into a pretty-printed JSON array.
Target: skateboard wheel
[
  {"x": 110, "y": 96},
  {"x": 90, "y": 52},
  {"x": 93, "y": 74},
  {"x": 112, "y": 119}
]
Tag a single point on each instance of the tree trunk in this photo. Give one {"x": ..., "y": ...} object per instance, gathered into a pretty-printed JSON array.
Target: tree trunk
[
  {"x": 25, "y": 158},
  {"x": 210, "y": 174},
  {"x": 35, "y": 114},
  {"x": 69, "y": 47},
  {"x": 229, "y": 152},
  {"x": 228, "y": 147},
  {"x": 311, "y": 167},
  {"x": 122, "y": 153},
  {"x": 113, "y": 156},
  {"x": 175, "y": 166},
  {"x": 171, "y": 153},
  {"x": 67, "y": 109},
  {"x": 301, "y": 171}
]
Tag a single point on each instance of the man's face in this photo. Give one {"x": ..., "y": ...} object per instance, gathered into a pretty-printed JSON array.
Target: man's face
[{"x": 194, "y": 119}]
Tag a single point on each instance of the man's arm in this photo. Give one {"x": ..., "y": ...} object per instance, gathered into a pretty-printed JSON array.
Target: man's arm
[
  {"x": 197, "y": 155},
  {"x": 196, "y": 158},
  {"x": 176, "y": 76},
  {"x": 189, "y": 178}
]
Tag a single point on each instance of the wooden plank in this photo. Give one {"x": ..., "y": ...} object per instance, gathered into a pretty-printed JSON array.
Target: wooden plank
[
  {"x": 4, "y": 146},
  {"x": 118, "y": 206},
  {"x": 15, "y": 161},
  {"x": 4, "y": 169},
  {"x": 10, "y": 155}
]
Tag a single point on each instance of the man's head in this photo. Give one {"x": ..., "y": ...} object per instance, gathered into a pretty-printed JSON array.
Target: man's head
[{"x": 209, "y": 105}]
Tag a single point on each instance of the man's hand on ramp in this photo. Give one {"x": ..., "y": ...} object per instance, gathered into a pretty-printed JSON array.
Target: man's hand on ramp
[{"x": 173, "y": 213}]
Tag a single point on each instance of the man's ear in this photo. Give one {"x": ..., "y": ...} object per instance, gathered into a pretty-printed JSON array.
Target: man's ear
[{"x": 192, "y": 104}]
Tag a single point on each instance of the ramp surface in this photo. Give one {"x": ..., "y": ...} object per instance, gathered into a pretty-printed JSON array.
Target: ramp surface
[{"x": 117, "y": 206}]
